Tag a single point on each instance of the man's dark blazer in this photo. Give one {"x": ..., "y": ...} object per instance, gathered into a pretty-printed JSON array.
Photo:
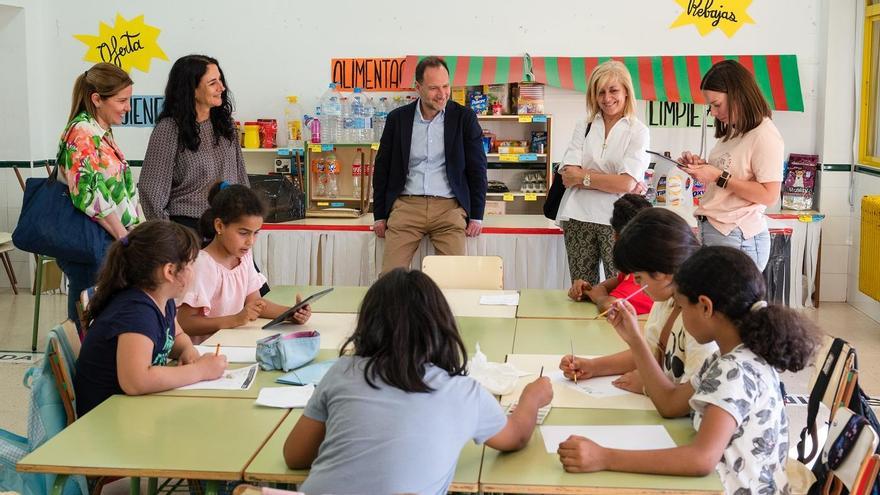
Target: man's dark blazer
[{"x": 465, "y": 159}]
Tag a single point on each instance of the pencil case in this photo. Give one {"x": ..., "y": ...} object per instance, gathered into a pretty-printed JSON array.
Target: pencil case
[{"x": 287, "y": 352}]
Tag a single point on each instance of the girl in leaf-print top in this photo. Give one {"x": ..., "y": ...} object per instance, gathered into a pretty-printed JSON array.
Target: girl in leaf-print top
[
  {"x": 94, "y": 168},
  {"x": 739, "y": 414}
]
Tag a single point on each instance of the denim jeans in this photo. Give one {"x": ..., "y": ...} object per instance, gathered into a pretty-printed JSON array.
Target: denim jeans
[
  {"x": 757, "y": 247},
  {"x": 80, "y": 276}
]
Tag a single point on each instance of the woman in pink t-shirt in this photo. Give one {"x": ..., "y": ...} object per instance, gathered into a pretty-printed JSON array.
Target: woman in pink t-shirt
[
  {"x": 743, "y": 175},
  {"x": 225, "y": 290}
]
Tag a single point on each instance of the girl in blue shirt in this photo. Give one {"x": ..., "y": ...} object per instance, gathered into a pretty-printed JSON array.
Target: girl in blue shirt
[
  {"x": 393, "y": 413},
  {"x": 133, "y": 329}
]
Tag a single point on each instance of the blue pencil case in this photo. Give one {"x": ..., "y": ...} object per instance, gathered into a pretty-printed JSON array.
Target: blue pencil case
[
  {"x": 288, "y": 352},
  {"x": 311, "y": 374}
]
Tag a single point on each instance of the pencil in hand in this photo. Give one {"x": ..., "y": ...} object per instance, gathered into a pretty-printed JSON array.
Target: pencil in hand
[
  {"x": 627, "y": 298},
  {"x": 217, "y": 350},
  {"x": 571, "y": 341}
]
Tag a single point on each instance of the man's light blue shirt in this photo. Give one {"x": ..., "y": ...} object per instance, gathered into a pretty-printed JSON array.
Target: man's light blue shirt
[{"x": 427, "y": 157}]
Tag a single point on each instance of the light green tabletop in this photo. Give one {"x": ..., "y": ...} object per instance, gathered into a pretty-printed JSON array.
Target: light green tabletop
[
  {"x": 591, "y": 337},
  {"x": 269, "y": 466},
  {"x": 264, "y": 379},
  {"x": 341, "y": 300},
  {"x": 495, "y": 335},
  {"x": 533, "y": 470},
  {"x": 546, "y": 303},
  {"x": 198, "y": 438}
]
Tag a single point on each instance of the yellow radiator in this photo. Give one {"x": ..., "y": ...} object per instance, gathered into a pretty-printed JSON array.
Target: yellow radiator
[{"x": 869, "y": 258}]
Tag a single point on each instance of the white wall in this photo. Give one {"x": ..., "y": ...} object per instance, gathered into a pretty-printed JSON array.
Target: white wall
[
  {"x": 272, "y": 48},
  {"x": 252, "y": 45}
]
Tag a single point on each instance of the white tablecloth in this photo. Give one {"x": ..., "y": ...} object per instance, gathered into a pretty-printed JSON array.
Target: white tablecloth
[{"x": 339, "y": 252}]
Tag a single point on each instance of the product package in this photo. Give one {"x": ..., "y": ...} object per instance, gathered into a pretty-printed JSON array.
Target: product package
[
  {"x": 479, "y": 103},
  {"x": 530, "y": 98},
  {"x": 539, "y": 141},
  {"x": 498, "y": 94},
  {"x": 800, "y": 182}
]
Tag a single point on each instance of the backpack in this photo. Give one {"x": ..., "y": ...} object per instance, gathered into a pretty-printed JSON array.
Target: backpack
[
  {"x": 839, "y": 356},
  {"x": 46, "y": 418}
]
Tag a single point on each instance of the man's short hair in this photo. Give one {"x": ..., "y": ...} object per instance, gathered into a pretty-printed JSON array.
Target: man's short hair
[{"x": 426, "y": 62}]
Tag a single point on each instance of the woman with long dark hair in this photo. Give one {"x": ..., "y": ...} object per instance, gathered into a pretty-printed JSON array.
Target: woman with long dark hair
[{"x": 193, "y": 145}]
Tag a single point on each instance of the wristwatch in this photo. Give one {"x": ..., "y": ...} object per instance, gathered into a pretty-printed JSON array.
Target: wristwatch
[
  {"x": 586, "y": 181},
  {"x": 723, "y": 179}
]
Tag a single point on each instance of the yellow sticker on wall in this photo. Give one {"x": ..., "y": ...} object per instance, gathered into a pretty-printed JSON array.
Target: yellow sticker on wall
[
  {"x": 707, "y": 15},
  {"x": 128, "y": 44}
]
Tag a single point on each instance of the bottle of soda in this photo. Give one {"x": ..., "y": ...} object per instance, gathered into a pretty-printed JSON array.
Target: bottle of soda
[{"x": 356, "y": 168}]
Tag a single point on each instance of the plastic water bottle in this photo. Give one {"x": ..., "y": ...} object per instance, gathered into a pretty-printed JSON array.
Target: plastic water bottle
[
  {"x": 348, "y": 133},
  {"x": 369, "y": 115},
  {"x": 358, "y": 117},
  {"x": 356, "y": 170},
  {"x": 331, "y": 110},
  {"x": 379, "y": 117},
  {"x": 314, "y": 125},
  {"x": 332, "y": 172},
  {"x": 319, "y": 167}
]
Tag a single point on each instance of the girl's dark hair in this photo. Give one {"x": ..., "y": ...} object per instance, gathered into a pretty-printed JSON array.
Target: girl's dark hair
[
  {"x": 656, "y": 240},
  {"x": 229, "y": 203},
  {"x": 180, "y": 102},
  {"x": 105, "y": 79},
  {"x": 746, "y": 105},
  {"x": 132, "y": 261},
  {"x": 730, "y": 279},
  {"x": 404, "y": 324},
  {"x": 625, "y": 208}
]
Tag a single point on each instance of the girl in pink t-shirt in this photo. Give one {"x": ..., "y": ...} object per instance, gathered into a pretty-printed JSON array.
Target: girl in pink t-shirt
[{"x": 225, "y": 290}]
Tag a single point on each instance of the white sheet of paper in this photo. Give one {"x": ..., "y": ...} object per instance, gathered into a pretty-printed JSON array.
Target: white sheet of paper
[
  {"x": 499, "y": 299},
  {"x": 594, "y": 387},
  {"x": 233, "y": 354},
  {"x": 289, "y": 397},
  {"x": 628, "y": 437},
  {"x": 238, "y": 379},
  {"x": 599, "y": 396}
]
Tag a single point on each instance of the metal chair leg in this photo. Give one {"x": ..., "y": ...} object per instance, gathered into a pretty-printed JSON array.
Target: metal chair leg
[{"x": 38, "y": 288}]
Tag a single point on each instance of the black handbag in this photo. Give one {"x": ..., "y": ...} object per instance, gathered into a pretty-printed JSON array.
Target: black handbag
[
  {"x": 554, "y": 195},
  {"x": 283, "y": 195},
  {"x": 50, "y": 225}
]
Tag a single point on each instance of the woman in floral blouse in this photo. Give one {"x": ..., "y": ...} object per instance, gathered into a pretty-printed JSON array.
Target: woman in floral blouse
[{"x": 93, "y": 167}]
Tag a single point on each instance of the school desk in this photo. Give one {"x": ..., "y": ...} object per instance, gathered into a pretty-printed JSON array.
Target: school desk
[
  {"x": 463, "y": 302},
  {"x": 466, "y": 302},
  {"x": 263, "y": 379},
  {"x": 268, "y": 465},
  {"x": 551, "y": 303},
  {"x": 495, "y": 336},
  {"x": 533, "y": 470},
  {"x": 159, "y": 437},
  {"x": 590, "y": 337},
  {"x": 334, "y": 328},
  {"x": 341, "y": 300}
]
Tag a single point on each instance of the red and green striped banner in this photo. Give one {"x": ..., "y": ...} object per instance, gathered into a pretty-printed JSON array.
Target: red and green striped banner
[{"x": 659, "y": 78}]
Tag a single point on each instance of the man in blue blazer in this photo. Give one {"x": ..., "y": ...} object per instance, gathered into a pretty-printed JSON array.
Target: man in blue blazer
[{"x": 430, "y": 172}]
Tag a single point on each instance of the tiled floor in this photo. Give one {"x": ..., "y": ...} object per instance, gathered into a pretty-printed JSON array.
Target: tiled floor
[{"x": 16, "y": 318}]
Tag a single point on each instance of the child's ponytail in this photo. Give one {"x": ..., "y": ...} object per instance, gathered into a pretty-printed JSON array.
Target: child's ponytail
[
  {"x": 730, "y": 279},
  {"x": 132, "y": 260}
]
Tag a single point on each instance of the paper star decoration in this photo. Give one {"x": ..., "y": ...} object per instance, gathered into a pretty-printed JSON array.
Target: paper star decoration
[
  {"x": 128, "y": 44},
  {"x": 707, "y": 15}
]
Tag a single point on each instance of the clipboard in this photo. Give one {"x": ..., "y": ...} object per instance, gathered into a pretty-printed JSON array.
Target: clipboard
[
  {"x": 285, "y": 315},
  {"x": 669, "y": 161}
]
